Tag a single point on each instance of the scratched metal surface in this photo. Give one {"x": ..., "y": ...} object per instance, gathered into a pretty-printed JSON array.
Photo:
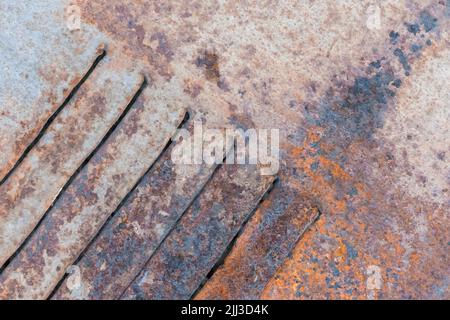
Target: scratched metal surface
[{"x": 361, "y": 207}]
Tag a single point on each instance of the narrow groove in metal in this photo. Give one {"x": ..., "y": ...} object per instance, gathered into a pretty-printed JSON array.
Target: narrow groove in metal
[
  {"x": 121, "y": 204},
  {"x": 53, "y": 116},
  {"x": 302, "y": 234},
  {"x": 230, "y": 246},
  {"x": 216, "y": 169},
  {"x": 72, "y": 178}
]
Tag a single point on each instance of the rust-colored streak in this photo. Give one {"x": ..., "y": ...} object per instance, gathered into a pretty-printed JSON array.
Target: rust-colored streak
[{"x": 265, "y": 243}]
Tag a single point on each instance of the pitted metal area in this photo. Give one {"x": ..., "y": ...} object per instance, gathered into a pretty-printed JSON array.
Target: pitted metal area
[{"x": 94, "y": 95}]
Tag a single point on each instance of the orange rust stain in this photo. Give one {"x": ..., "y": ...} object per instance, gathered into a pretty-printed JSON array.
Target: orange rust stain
[{"x": 305, "y": 157}]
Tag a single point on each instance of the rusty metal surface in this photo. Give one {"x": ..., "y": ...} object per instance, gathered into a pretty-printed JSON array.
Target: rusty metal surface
[
  {"x": 189, "y": 253},
  {"x": 40, "y": 64},
  {"x": 94, "y": 194},
  {"x": 265, "y": 243},
  {"x": 393, "y": 226},
  {"x": 131, "y": 237},
  {"x": 363, "y": 111},
  {"x": 29, "y": 192}
]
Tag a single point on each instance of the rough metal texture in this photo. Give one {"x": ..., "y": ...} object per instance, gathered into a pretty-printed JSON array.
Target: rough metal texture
[
  {"x": 89, "y": 200},
  {"x": 131, "y": 237},
  {"x": 40, "y": 64},
  {"x": 363, "y": 113},
  {"x": 262, "y": 247},
  {"x": 30, "y": 191},
  {"x": 201, "y": 236}
]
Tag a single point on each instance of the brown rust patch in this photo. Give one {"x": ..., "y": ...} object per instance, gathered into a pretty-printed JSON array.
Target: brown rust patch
[{"x": 209, "y": 62}]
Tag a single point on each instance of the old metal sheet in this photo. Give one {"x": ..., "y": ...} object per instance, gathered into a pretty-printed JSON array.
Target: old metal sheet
[{"x": 358, "y": 90}]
